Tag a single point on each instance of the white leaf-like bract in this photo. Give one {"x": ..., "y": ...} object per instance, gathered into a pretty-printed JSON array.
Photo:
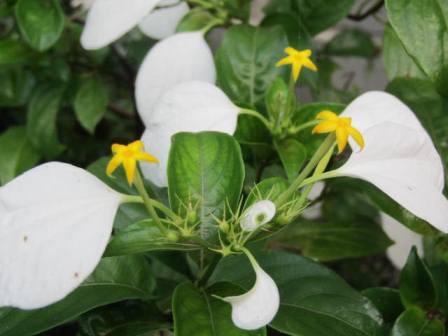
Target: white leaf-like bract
[
  {"x": 187, "y": 107},
  {"x": 179, "y": 58},
  {"x": 258, "y": 307},
  {"x": 258, "y": 214},
  {"x": 404, "y": 239},
  {"x": 108, "y": 20},
  {"x": 55, "y": 222},
  {"x": 399, "y": 157},
  {"x": 162, "y": 22}
]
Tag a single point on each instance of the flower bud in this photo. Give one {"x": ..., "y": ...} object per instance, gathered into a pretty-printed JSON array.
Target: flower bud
[{"x": 280, "y": 102}]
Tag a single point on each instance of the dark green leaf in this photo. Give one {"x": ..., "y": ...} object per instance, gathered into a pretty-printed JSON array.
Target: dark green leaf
[
  {"x": 15, "y": 87},
  {"x": 16, "y": 154},
  {"x": 414, "y": 322},
  {"x": 292, "y": 154},
  {"x": 422, "y": 28},
  {"x": 205, "y": 170},
  {"x": 197, "y": 313},
  {"x": 90, "y": 102},
  {"x": 351, "y": 42},
  {"x": 40, "y": 21},
  {"x": 417, "y": 286},
  {"x": 13, "y": 52},
  {"x": 115, "y": 279},
  {"x": 42, "y": 114},
  {"x": 314, "y": 300},
  {"x": 396, "y": 60},
  {"x": 327, "y": 240},
  {"x": 386, "y": 300},
  {"x": 143, "y": 237},
  {"x": 318, "y": 15},
  {"x": 246, "y": 59}
]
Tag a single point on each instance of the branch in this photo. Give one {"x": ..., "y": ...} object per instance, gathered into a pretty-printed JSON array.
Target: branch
[{"x": 372, "y": 10}]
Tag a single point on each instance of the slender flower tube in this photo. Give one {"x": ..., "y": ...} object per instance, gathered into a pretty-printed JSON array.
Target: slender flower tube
[{"x": 257, "y": 307}]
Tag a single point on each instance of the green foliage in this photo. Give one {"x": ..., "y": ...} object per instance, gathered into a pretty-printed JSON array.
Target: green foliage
[
  {"x": 115, "y": 279},
  {"x": 205, "y": 173},
  {"x": 196, "y": 312},
  {"x": 314, "y": 300}
]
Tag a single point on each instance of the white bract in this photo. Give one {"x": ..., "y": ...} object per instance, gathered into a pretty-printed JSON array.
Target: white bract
[
  {"x": 257, "y": 307},
  {"x": 108, "y": 20},
  {"x": 55, "y": 223},
  {"x": 187, "y": 107},
  {"x": 180, "y": 58},
  {"x": 162, "y": 23},
  {"x": 399, "y": 157},
  {"x": 258, "y": 214}
]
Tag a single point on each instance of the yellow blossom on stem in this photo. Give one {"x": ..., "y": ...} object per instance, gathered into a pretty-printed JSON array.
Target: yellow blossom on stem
[
  {"x": 331, "y": 122},
  {"x": 297, "y": 59},
  {"x": 128, "y": 157}
]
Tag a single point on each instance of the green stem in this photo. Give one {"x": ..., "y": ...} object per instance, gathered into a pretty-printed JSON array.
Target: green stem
[
  {"x": 251, "y": 258},
  {"x": 319, "y": 177},
  {"x": 138, "y": 182},
  {"x": 158, "y": 205},
  {"x": 257, "y": 115},
  {"x": 315, "y": 159},
  {"x": 209, "y": 270},
  {"x": 297, "y": 129},
  {"x": 212, "y": 24}
]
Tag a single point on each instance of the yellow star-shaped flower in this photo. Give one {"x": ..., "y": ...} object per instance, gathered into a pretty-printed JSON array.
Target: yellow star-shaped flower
[
  {"x": 331, "y": 122},
  {"x": 298, "y": 59},
  {"x": 128, "y": 157}
]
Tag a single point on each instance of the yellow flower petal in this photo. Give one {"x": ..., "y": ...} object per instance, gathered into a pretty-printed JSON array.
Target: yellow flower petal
[
  {"x": 305, "y": 53},
  {"x": 136, "y": 146},
  {"x": 129, "y": 167},
  {"x": 325, "y": 127},
  {"x": 327, "y": 115},
  {"x": 296, "y": 71},
  {"x": 117, "y": 148},
  {"x": 113, "y": 164},
  {"x": 309, "y": 64},
  {"x": 285, "y": 61},
  {"x": 341, "y": 138},
  {"x": 146, "y": 157},
  {"x": 290, "y": 51},
  {"x": 357, "y": 136}
]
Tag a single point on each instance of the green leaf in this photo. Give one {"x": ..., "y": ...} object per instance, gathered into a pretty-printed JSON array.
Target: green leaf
[
  {"x": 414, "y": 322},
  {"x": 396, "y": 60},
  {"x": 42, "y": 114},
  {"x": 115, "y": 279},
  {"x": 417, "y": 286},
  {"x": 195, "y": 20},
  {"x": 269, "y": 189},
  {"x": 15, "y": 87},
  {"x": 13, "y": 52},
  {"x": 41, "y": 22},
  {"x": 386, "y": 300},
  {"x": 197, "y": 313},
  {"x": 205, "y": 170},
  {"x": 90, "y": 102},
  {"x": 297, "y": 33},
  {"x": 16, "y": 154},
  {"x": 431, "y": 109},
  {"x": 292, "y": 154},
  {"x": 238, "y": 8},
  {"x": 318, "y": 15},
  {"x": 327, "y": 240},
  {"x": 129, "y": 318},
  {"x": 422, "y": 28},
  {"x": 314, "y": 300},
  {"x": 142, "y": 237},
  {"x": 351, "y": 42},
  {"x": 245, "y": 61}
]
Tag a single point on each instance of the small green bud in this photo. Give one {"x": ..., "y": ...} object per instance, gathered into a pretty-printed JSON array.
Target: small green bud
[
  {"x": 172, "y": 236},
  {"x": 224, "y": 226},
  {"x": 280, "y": 101},
  {"x": 192, "y": 217}
]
